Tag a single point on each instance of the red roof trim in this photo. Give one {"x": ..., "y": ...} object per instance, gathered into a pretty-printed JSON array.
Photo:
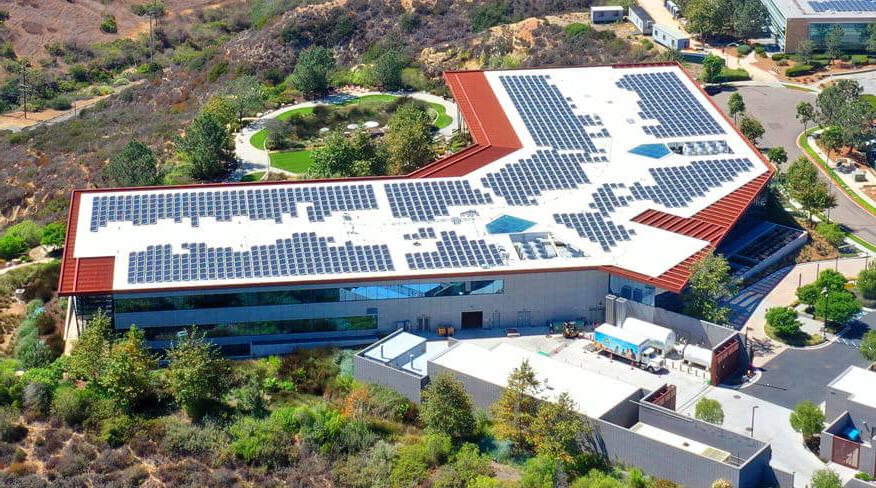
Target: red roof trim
[{"x": 494, "y": 138}]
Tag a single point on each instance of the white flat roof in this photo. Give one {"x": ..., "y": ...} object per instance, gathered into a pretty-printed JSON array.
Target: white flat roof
[
  {"x": 594, "y": 394},
  {"x": 433, "y": 348},
  {"x": 394, "y": 347},
  {"x": 860, "y": 383},
  {"x": 271, "y": 237},
  {"x": 606, "y": 8},
  {"x": 853, "y": 10},
  {"x": 675, "y": 440}
]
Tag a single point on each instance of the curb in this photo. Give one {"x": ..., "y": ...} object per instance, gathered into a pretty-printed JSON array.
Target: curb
[{"x": 825, "y": 173}]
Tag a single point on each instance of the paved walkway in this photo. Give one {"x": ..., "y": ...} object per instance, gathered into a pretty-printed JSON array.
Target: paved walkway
[
  {"x": 848, "y": 177},
  {"x": 253, "y": 159}
]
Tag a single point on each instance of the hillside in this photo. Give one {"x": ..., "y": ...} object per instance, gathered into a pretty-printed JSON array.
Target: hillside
[{"x": 33, "y": 24}]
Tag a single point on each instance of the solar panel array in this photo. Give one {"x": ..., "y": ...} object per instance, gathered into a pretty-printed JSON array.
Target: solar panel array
[
  {"x": 663, "y": 96},
  {"x": 548, "y": 116},
  {"x": 703, "y": 148},
  {"x": 605, "y": 200},
  {"x": 843, "y": 6},
  {"x": 254, "y": 203},
  {"x": 535, "y": 249},
  {"x": 421, "y": 233},
  {"x": 594, "y": 227},
  {"x": 677, "y": 186},
  {"x": 423, "y": 200},
  {"x": 301, "y": 254},
  {"x": 455, "y": 251},
  {"x": 544, "y": 170}
]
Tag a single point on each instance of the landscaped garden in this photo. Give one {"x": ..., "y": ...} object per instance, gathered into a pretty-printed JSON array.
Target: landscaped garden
[{"x": 292, "y": 135}]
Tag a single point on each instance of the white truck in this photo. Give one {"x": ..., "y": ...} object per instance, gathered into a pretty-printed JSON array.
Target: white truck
[{"x": 628, "y": 345}]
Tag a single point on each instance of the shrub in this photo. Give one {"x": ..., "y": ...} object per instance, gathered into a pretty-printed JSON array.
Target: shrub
[
  {"x": 778, "y": 56},
  {"x": 108, "y": 25},
  {"x": 60, "y": 103},
  {"x": 807, "y": 419},
  {"x": 710, "y": 411},
  {"x": 868, "y": 345},
  {"x": 831, "y": 232},
  {"x": 761, "y": 51},
  {"x": 576, "y": 29},
  {"x": 37, "y": 399},
  {"x": 116, "y": 431},
  {"x": 260, "y": 441},
  {"x": 28, "y": 231},
  {"x": 11, "y": 247},
  {"x": 10, "y": 429},
  {"x": 783, "y": 321},
  {"x": 859, "y": 59},
  {"x": 743, "y": 50},
  {"x": 825, "y": 478},
  {"x": 447, "y": 408},
  {"x": 728, "y": 75},
  {"x": 799, "y": 70},
  {"x": 71, "y": 405},
  {"x": 203, "y": 441}
]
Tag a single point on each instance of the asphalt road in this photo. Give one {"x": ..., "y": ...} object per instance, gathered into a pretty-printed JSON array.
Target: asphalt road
[
  {"x": 798, "y": 374},
  {"x": 776, "y": 108}
]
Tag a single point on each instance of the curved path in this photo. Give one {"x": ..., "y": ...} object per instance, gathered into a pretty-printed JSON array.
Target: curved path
[{"x": 252, "y": 159}]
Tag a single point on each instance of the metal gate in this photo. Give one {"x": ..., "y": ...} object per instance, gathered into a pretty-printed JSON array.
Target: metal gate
[{"x": 845, "y": 452}]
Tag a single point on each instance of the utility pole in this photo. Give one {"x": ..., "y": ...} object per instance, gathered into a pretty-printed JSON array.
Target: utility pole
[{"x": 23, "y": 64}]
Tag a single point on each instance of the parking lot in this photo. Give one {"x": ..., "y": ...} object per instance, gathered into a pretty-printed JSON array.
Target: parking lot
[{"x": 690, "y": 382}]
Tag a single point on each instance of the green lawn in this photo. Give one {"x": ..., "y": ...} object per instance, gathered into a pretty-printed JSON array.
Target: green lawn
[
  {"x": 441, "y": 120},
  {"x": 258, "y": 139},
  {"x": 292, "y": 161},
  {"x": 871, "y": 99}
]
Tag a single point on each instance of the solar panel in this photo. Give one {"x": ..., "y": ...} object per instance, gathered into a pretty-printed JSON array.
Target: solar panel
[
  {"x": 301, "y": 254},
  {"x": 223, "y": 205},
  {"x": 544, "y": 170},
  {"x": 663, "y": 97},
  {"x": 678, "y": 186},
  {"x": 454, "y": 251},
  {"x": 595, "y": 227},
  {"x": 422, "y": 233},
  {"x": 423, "y": 200},
  {"x": 843, "y": 6},
  {"x": 548, "y": 115}
]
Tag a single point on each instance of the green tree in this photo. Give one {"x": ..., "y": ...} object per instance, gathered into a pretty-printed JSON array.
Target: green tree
[
  {"x": 832, "y": 140},
  {"x": 777, "y": 156},
  {"x": 806, "y": 114},
  {"x": 871, "y": 38},
  {"x": 807, "y": 419},
  {"x": 868, "y": 345},
  {"x": 709, "y": 17},
  {"x": 840, "y": 106},
  {"x": 837, "y": 306},
  {"x": 133, "y": 165},
  {"x": 219, "y": 107},
  {"x": 205, "y": 147},
  {"x": 516, "y": 409},
  {"x": 343, "y": 156},
  {"x": 783, "y": 321},
  {"x": 866, "y": 282},
  {"x": 800, "y": 176},
  {"x": 196, "y": 372},
  {"x": 712, "y": 66},
  {"x": 11, "y": 246},
  {"x": 125, "y": 372},
  {"x": 388, "y": 69},
  {"x": 817, "y": 198},
  {"x": 709, "y": 410},
  {"x": 408, "y": 139},
  {"x": 556, "y": 429},
  {"x": 598, "y": 479},
  {"x": 736, "y": 105},
  {"x": 244, "y": 96},
  {"x": 310, "y": 75},
  {"x": 709, "y": 282},
  {"x": 749, "y": 17},
  {"x": 541, "y": 472},
  {"x": 28, "y": 231},
  {"x": 831, "y": 232},
  {"x": 446, "y": 408},
  {"x": 752, "y": 129},
  {"x": 828, "y": 279},
  {"x": 53, "y": 234},
  {"x": 833, "y": 42},
  {"x": 825, "y": 478},
  {"x": 805, "y": 48},
  {"x": 89, "y": 351}
]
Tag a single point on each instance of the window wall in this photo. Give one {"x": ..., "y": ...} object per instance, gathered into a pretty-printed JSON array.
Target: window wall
[
  {"x": 854, "y": 35},
  {"x": 337, "y": 324},
  {"x": 315, "y": 295}
]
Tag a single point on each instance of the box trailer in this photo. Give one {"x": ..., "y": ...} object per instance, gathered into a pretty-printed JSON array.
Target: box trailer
[
  {"x": 662, "y": 338},
  {"x": 627, "y": 345}
]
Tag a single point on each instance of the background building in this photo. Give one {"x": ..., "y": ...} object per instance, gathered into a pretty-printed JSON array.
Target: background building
[
  {"x": 581, "y": 182},
  {"x": 850, "y": 409},
  {"x": 792, "y": 21}
]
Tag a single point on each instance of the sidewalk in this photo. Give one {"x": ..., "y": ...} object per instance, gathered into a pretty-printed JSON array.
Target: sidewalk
[{"x": 848, "y": 178}]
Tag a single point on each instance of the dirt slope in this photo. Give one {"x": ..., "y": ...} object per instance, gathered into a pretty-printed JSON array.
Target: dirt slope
[{"x": 34, "y": 23}]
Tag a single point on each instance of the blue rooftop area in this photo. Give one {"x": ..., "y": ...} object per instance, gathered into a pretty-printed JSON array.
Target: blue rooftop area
[
  {"x": 655, "y": 151},
  {"x": 507, "y": 224}
]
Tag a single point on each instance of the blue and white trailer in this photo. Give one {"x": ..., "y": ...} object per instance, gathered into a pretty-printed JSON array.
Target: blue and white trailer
[{"x": 628, "y": 345}]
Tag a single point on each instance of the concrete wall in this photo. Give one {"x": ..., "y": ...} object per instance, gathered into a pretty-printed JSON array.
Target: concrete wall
[
  {"x": 544, "y": 296},
  {"x": 405, "y": 383},
  {"x": 856, "y": 483},
  {"x": 737, "y": 445},
  {"x": 840, "y": 411},
  {"x": 694, "y": 331}
]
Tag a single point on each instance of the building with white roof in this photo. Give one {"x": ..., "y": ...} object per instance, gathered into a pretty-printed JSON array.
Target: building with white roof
[
  {"x": 850, "y": 407},
  {"x": 792, "y": 21},
  {"x": 580, "y": 181}
]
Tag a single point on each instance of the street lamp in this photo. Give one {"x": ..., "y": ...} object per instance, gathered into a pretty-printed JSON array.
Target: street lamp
[
  {"x": 826, "y": 294},
  {"x": 753, "y": 408}
]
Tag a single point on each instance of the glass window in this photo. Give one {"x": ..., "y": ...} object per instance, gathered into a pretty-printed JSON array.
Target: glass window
[
  {"x": 336, "y": 324},
  {"x": 316, "y": 295}
]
